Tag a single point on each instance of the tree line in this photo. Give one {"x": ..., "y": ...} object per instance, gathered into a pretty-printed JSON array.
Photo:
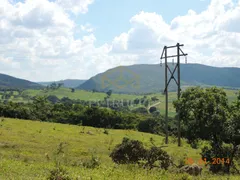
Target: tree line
[{"x": 78, "y": 112}]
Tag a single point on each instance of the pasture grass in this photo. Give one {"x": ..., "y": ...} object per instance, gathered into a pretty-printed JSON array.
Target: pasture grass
[{"x": 28, "y": 151}]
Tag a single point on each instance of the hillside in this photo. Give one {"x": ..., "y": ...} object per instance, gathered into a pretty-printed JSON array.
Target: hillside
[
  {"x": 7, "y": 81},
  {"x": 68, "y": 83},
  {"x": 28, "y": 148},
  {"x": 96, "y": 96},
  {"x": 150, "y": 78}
]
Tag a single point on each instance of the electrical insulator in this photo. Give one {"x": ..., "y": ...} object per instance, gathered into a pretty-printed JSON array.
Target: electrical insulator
[
  {"x": 172, "y": 61},
  {"x": 161, "y": 62},
  {"x": 186, "y": 59}
]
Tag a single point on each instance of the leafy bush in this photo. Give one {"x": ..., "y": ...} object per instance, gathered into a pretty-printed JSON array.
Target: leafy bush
[
  {"x": 151, "y": 125},
  {"x": 152, "y": 109},
  {"x": 209, "y": 153},
  {"x": 53, "y": 99},
  {"x": 156, "y": 157},
  {"x": 156, "y": 113},
  {"x": 132, "y": 151},
  {"x": 129, "y": 151}
]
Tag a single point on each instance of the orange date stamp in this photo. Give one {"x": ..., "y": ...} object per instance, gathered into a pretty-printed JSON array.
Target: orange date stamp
[{"x": 213, "y": 161}]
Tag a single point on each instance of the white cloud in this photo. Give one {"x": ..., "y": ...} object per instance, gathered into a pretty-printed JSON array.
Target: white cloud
[
  {"x": 38, "y": 39},
  {"x": 39, "y": 14},
  {"x": 7, "y": 63},
  {"x": 210, "y": 37},
  {"x": 87, "y": 28},
  {"x": 75, "y": 6},
  {"x": 120, "y": 43}
]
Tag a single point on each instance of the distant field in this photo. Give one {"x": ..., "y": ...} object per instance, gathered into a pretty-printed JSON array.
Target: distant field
[
  {"x": 24, "y": 144},
  {"x": 90, "y": 96},
  {"x": 87, "y": 95},
  {"x": 79, "y": 94}
]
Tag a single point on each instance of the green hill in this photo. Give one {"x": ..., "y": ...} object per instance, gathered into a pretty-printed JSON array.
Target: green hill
[
  {"x": 7, "y": 81},
  {"x": 68, "y": 83},
  {"x": 150, "y": 78}
]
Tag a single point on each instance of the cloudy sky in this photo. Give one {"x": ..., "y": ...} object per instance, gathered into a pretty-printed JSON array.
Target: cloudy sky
[{"x": 47, "y": 40}]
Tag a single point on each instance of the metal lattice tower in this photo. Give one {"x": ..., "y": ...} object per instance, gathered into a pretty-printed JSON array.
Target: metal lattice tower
[{"x": 177, "y": 81}]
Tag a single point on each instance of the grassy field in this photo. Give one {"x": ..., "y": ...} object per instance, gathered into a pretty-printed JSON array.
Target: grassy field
[
  {"x": 27, "y": 151},
  {"x": 90, "y": 96},
  {"x": 80, "y": 94},
  {"x": 87, "y": 95}
]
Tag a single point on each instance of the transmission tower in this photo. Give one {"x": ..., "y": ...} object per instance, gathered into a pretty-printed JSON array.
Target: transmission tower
[{"x": 177, "y": 81}]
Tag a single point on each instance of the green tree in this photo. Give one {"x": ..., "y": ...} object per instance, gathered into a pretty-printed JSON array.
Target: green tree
[
  {"x": 109, "y": 93},
  {"x": 59, "y": 85},
  {"x": 146, "y": 103},
  {"x": 53, "y": 86},
  {"x": 154, "y": 98},
  {"x": 206, "y": 114},
  {"x": 203, "y": 113},
  {"x": 140, "y": 110},
  {"x": 53, "y": 99},
  {"x": 152, "y": 109},
  {"x": 232, "y": 130},
  {"x": 136, "y": 101},
  {"x": 41, "y": 108},
  {"x": 152, "y": 125}
]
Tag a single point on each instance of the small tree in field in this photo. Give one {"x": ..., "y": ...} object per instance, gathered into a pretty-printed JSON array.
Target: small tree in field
[
  {"x": 109, "y": 93},
  {"x": 129, "y": 151},
  {"x": 152, "y": 109},
  {"x": 133, "y": 151}
]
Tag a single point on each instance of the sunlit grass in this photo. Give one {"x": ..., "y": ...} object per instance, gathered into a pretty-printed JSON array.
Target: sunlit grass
[{"x": 24, "y": 145}]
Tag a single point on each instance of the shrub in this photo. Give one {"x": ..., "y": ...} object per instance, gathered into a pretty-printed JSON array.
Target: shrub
[
  {"x": 58, "y": 173},
  {"x": 151, "y": 125},
  {"x": 194, "y": 144},
  {"x": 156, "y": 157},
  {"x": 53, "y": 99},
  {"x": 129, "y": 151},
  {"x": 132, "y": 151},
  {"x": 105, "y": 131},
  {"x": 154, "y": 98},
  {"x": 152, "y": 109},
  {"x": 156, "y": 113},
  {"x": 209, "y": 153}
]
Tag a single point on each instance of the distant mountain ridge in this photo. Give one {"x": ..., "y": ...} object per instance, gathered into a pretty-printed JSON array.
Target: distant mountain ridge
[
  {"x": 140, "y": 78},
  {"x": 145, "y": 78},
  {"x": 68, "y": 83},
  {"x": 7, "y": 81}
]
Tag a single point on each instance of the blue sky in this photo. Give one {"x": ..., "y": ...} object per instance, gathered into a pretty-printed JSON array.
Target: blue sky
[
  {"x": 111, "y": 17},
  {"x": 47, "y": 40}
]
